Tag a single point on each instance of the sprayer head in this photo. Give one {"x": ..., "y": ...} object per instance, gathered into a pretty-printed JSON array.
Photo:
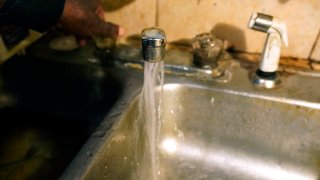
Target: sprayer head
[
  {"x": 260, "y": 22},
  {"x": 268, "y": 24},
  {"x": 153, "y": 44}
]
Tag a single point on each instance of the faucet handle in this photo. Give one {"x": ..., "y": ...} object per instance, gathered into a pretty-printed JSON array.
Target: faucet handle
[
  {"x": 207, "y": 50},
  {"x": 153, "y": 42}
]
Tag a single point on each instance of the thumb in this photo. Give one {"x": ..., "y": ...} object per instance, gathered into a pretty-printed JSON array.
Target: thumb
[{"x": 108, "y": 29}]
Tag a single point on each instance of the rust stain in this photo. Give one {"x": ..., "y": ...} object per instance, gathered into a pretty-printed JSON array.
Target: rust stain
[
  {"x": 283, "y": 1},
  {"x": 284, "y": 61}
]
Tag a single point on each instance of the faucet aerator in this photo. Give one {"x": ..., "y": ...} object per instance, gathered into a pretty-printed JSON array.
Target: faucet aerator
[{"x": 153, "y": 42}]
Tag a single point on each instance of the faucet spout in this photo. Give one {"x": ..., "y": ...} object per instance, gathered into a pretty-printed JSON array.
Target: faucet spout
[{"x": 153, "y": 44}]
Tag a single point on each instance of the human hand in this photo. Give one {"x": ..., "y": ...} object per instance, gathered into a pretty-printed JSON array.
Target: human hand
[{"x": 85, "y": 18}]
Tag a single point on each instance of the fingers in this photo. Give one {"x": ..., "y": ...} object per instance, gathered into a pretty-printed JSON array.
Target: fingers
[
  {"x": 108, "y": 29},
  {"x": 80, "y": 19},
  {"x": 121, "y": 31},
  {"x": 100, "y": 12},
  {"x": 93, "y": 4},
  {"x": 82, "y": 40}
]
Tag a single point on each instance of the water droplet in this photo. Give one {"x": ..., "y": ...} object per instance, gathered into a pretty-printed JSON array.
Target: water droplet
[
  {"x": 89, "y": 153},
  {"x": 92, "y": 60},
  {"x": 105, "y": 166},
  {"x": 115, "y": 114},
  {"x": 180, "y": 134},
  {"x": 212, "y": 100},
  {"x": 98, "y": 133},
  {"x": 171, "y": 111},
  {"x": 125, "y": 158}
]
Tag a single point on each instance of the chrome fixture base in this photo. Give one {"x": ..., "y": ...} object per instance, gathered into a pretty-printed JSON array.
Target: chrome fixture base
[{"x": 265, "y": 83}]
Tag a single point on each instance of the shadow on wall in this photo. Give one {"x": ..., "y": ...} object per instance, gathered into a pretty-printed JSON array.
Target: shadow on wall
[
  {"x": 112, "y": 5},
  {"x": 233, "y": 37}
]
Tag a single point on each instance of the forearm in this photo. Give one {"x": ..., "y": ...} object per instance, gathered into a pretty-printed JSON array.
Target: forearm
[{"x": 35, "y": 14}]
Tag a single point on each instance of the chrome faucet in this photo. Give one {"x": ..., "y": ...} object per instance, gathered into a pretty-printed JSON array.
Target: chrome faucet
[
  {"x": 266, "y": 76},
  {"x": 153, "y": 44},
  {"x": 153, "y": 41}
]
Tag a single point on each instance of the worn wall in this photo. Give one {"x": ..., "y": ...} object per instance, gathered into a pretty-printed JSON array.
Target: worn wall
[{"x": 227, "y": 19}]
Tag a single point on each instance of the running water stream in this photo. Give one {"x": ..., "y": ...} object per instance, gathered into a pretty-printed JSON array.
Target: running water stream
[
  {"x": 150, "y": 120},
  {"x": 147, "y": 125}
]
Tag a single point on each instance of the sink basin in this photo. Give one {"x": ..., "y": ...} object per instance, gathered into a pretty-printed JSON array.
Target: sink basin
[
  {"x": 209, "y": 129},
  {"x": 48, "y": 110},
  {"x": 212, "y": 133}
]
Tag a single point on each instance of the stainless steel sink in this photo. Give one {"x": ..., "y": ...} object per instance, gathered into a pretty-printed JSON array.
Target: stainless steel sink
[
  {"x": 215, "y": 131},
  {"x": 209, "y": 130}
]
